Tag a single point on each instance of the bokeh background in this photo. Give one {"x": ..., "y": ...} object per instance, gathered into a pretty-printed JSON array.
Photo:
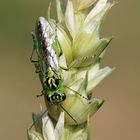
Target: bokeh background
[{"x": 118, "y": 119}]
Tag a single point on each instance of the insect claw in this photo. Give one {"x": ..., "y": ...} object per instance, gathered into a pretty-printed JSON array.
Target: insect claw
[
  {"x": 34, "y": 61},
  {"x": 63, "y": 68},
  {"x": 37, "y": 71},
  {"x": 39, "y": 95}
]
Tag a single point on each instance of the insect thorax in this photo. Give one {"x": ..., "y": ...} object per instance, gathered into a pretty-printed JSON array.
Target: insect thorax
[
  {"x": 55, "y": 92},
  {"x": 52, "y": 80}
]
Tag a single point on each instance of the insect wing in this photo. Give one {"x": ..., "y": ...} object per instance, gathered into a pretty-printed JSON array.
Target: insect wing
[{"x": 46, "y": 33}]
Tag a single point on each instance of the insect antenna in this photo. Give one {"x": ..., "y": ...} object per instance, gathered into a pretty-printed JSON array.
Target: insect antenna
[
  {"x": 35, "y": 121},
  {"x": 77, "y": 93},
  {"x": 46, "y": 111},
  {"x": 68, "y": 114}
]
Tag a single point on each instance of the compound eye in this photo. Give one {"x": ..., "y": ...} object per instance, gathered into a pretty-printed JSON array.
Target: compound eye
[
  {"x": 63, "y": 96},
  {"x": 53, "y": 97},
  {"x": 48, "y": 98}
]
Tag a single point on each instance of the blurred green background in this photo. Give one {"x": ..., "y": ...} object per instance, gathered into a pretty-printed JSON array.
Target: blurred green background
[{"x": 118, "y": 119}]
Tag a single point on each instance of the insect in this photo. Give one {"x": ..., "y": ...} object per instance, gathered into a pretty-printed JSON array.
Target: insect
[
  {"x": 46, "y": 64},
  {"x": 45, "y": 55}
]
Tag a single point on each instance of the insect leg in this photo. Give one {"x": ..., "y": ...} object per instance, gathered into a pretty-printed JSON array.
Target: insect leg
[
  {"x": 35, "y": 48},
  {"x": 68, "y": 114},
  {"x": 63, "y": 68},
  {"x": 42, "y": 93},
  {"x": 77, "y": 93}
]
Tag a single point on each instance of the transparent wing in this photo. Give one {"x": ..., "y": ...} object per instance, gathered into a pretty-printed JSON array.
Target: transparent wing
[{"x": 46, "y": 34}]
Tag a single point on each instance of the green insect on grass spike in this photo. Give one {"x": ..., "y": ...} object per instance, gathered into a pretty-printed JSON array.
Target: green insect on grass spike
[
  {"x": 50, "y": 73},
  {"x": 46, "y": 48},
  {"x": 67, "y": 56}
]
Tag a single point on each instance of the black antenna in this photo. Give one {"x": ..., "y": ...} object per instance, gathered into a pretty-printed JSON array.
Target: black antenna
[
  {"x": 77, "y": 93},
  {"x": 68, "y": 114},
  {"x": 46, "y": 111}
]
